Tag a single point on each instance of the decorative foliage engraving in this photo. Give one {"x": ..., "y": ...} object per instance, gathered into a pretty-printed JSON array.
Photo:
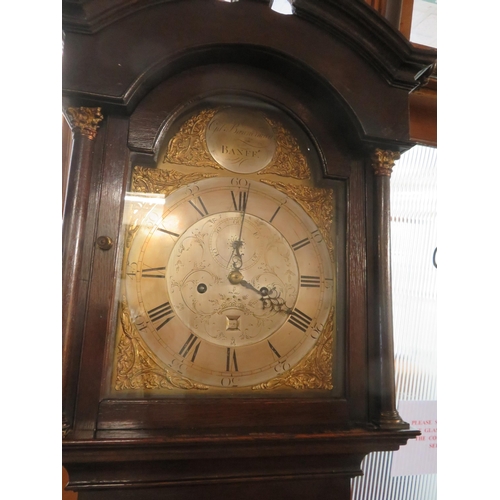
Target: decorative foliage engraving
[
  {"x": 158, "y": 181},
  {"x": 189, "y": 147},
  {"x": 314, "y": 371},
  {"x": 86, "y": 120},
  {"x": 383, "y": 161},
  {"x": 288, "y": 160},
  {"x": 136, "y": 368}
]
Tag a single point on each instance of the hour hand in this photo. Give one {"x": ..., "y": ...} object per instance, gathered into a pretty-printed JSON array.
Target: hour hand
[
  {"x": 246, "y": 284},
  {"x": 236, "y": 278},
  {"x": 271, "y": 298}
]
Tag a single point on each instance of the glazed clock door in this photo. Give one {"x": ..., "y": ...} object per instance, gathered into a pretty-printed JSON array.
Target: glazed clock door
[{"x": 230, "y": 271}]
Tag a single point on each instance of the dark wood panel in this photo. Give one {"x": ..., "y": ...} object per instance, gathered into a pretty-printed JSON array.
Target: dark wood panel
[
  {"x": 258, "y": 37},
  {"x": 356, "y": 292},
  {"x": 294, "y": 487},
  {"x": 256, "y": 414},
  {"x": 101, "y": 287},
  {"x": 120, "y": 464},
  {"x": 79, "y": 221}
]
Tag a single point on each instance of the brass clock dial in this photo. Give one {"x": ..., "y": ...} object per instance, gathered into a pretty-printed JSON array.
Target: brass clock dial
[{"x": 229, "y": 283}]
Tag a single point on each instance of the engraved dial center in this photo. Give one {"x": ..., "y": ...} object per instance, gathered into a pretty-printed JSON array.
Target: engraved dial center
[{"x": 230, "y": 311}]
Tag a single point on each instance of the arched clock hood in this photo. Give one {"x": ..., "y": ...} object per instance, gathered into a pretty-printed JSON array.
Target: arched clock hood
[{"x": 332, "y": 46}]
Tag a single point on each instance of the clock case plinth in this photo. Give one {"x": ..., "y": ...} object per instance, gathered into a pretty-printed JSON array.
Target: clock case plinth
[{"x": 129, "y": 69}]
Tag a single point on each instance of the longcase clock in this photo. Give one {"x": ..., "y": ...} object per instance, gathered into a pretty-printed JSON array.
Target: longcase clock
[{"x": 227, "y": 301}]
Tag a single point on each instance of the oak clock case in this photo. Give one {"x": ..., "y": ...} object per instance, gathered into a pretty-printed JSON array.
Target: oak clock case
[{"x": 230, "y": 271}]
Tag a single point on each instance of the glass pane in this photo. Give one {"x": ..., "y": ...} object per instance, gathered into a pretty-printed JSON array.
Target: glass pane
[{"x": 228, "y": 283}]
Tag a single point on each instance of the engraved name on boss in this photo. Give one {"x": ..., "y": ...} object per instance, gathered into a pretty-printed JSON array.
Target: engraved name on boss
[
  {"x": 249, "y": 153},
  {"x": 237, "y": 130}
]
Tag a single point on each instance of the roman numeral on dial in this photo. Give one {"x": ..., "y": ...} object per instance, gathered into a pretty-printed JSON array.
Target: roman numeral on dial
[
  {"x": 300, "y": 320},
  {"x": 192, "y": 345},
  {"x": 163, "y": 312},
  {"x": 300, "y": 244},
  {"x": 274, "y": 215},
  {"x": 240, "y": 201},
  {"x": 202, "y": 211},
  {"x": 275, "y": 351},
  {"x": 171, "y": 233},
  {"x": 151, "y": 272},
  {"x": 231, "y": 362},
  {"x": 309, "y": 281}
]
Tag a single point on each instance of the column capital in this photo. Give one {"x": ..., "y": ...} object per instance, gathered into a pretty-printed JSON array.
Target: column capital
[
  {"x": 383, "y": 161},
  {"x": 84, "y": 120}
]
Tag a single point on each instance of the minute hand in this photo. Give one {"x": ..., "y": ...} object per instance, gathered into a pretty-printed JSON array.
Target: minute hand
[
  {"x": 244, "y": 203},
  {"x": 237, "y": 244}
]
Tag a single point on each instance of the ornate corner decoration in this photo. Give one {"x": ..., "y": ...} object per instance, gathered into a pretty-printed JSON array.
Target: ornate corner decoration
[
  {"x": 155, "y": 181},
  {"x": 136, "y": 367},
  {"x": 314, "y": 371},
  {"x": 288, "y": 160},
  {"x": 158, "y": 181},
  {"x": 85, "y": 120},
  {"x": 189, "y": 147},
  {"x": 383, "y": 161}
]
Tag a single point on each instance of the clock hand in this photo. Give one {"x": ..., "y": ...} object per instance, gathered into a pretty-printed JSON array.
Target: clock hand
[
  {"x": 245, "y": 201},
  {"x": 272, "y": 299},
  {"x": 238, "y": 258},
  {"x": 236, "y": 278},
  {"x": 237, "y": 244},
  {"x": 269, "y": 298},
  {"x": 246, "y": 284}
]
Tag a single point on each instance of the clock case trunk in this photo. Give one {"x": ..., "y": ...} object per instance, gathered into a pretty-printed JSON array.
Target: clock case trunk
[{"x": 140, "y": 65}]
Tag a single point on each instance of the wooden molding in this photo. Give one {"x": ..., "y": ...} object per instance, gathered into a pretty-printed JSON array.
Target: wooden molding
[{"x": 423, "y": 114}]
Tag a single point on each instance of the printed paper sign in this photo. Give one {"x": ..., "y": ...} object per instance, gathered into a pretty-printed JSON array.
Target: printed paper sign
[{"x": 418, "y": 456}]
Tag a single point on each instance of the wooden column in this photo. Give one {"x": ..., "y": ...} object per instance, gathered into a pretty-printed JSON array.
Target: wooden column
[
  {"x": 84, "y": 123},
  {"x": 387, "y": 416}
]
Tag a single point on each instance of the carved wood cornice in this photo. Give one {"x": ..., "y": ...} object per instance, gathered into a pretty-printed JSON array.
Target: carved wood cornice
[
  {"x": 369, "y": 34},
  {"x": 354, "y": 21}
]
